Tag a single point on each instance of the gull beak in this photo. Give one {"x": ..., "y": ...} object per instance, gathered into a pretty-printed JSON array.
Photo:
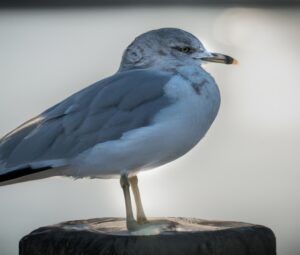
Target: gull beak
[{"x": 220, "y": 58}]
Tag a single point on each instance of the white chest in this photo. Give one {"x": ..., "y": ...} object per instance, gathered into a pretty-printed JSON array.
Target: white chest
[{"x": 196, "y": 104}]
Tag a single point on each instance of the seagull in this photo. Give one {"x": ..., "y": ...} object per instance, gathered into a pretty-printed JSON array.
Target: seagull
[{"x": 154, "y": 109}]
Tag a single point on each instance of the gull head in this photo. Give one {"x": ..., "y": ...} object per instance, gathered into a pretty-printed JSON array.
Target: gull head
[{"x": 167, "y": 48}]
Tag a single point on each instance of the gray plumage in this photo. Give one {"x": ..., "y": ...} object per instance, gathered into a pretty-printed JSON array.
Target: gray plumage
[{"x": 100, "y": 112}]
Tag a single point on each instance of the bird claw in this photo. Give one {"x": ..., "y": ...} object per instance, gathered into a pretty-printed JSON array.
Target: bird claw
[
  {"x": 149, "y": 227},
  {"x": 142, "y": 220}
]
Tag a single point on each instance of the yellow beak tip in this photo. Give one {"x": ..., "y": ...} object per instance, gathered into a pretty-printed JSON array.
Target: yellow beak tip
[{"x": 235, "y": 62}]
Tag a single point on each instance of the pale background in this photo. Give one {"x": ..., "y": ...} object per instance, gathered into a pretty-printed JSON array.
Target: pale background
[{"x": 245, "y": 169}]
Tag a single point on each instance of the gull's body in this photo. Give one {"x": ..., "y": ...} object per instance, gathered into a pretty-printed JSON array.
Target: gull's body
[
  {"x": 172, "y": 131},
  {"x": 155, "y": 109}
]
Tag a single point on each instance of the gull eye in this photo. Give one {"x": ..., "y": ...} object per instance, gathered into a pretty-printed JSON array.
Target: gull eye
[{"x": 185, "y": 49}]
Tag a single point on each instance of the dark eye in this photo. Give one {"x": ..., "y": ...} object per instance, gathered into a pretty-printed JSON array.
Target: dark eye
[{"x": 185, "y": 49}]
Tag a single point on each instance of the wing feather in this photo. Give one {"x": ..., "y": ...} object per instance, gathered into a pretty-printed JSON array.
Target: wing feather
[{"x": 101, "y": 112}]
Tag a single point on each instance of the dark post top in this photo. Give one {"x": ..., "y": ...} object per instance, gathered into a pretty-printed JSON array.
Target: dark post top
[{"x": 181, "y": 237}]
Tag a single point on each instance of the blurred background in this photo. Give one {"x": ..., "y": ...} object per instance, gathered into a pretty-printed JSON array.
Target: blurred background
[{"x": 247, "y": 168}]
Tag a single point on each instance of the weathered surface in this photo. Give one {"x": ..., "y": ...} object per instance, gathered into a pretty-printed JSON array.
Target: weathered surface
[{"x": 180, "y": 236}]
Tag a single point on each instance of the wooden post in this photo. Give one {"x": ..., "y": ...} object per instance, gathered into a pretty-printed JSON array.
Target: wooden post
[{"x": 108, "y": 236}]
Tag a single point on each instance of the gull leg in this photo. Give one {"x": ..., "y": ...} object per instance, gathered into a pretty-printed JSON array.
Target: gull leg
[
  {"x": 147, "y": 227},
  {"x": 130, "y": 221},
  {"x": 141, "y": 217}
]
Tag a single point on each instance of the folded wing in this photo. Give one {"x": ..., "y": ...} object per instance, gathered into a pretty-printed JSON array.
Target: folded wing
[{"x": 101, "y": 112}]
